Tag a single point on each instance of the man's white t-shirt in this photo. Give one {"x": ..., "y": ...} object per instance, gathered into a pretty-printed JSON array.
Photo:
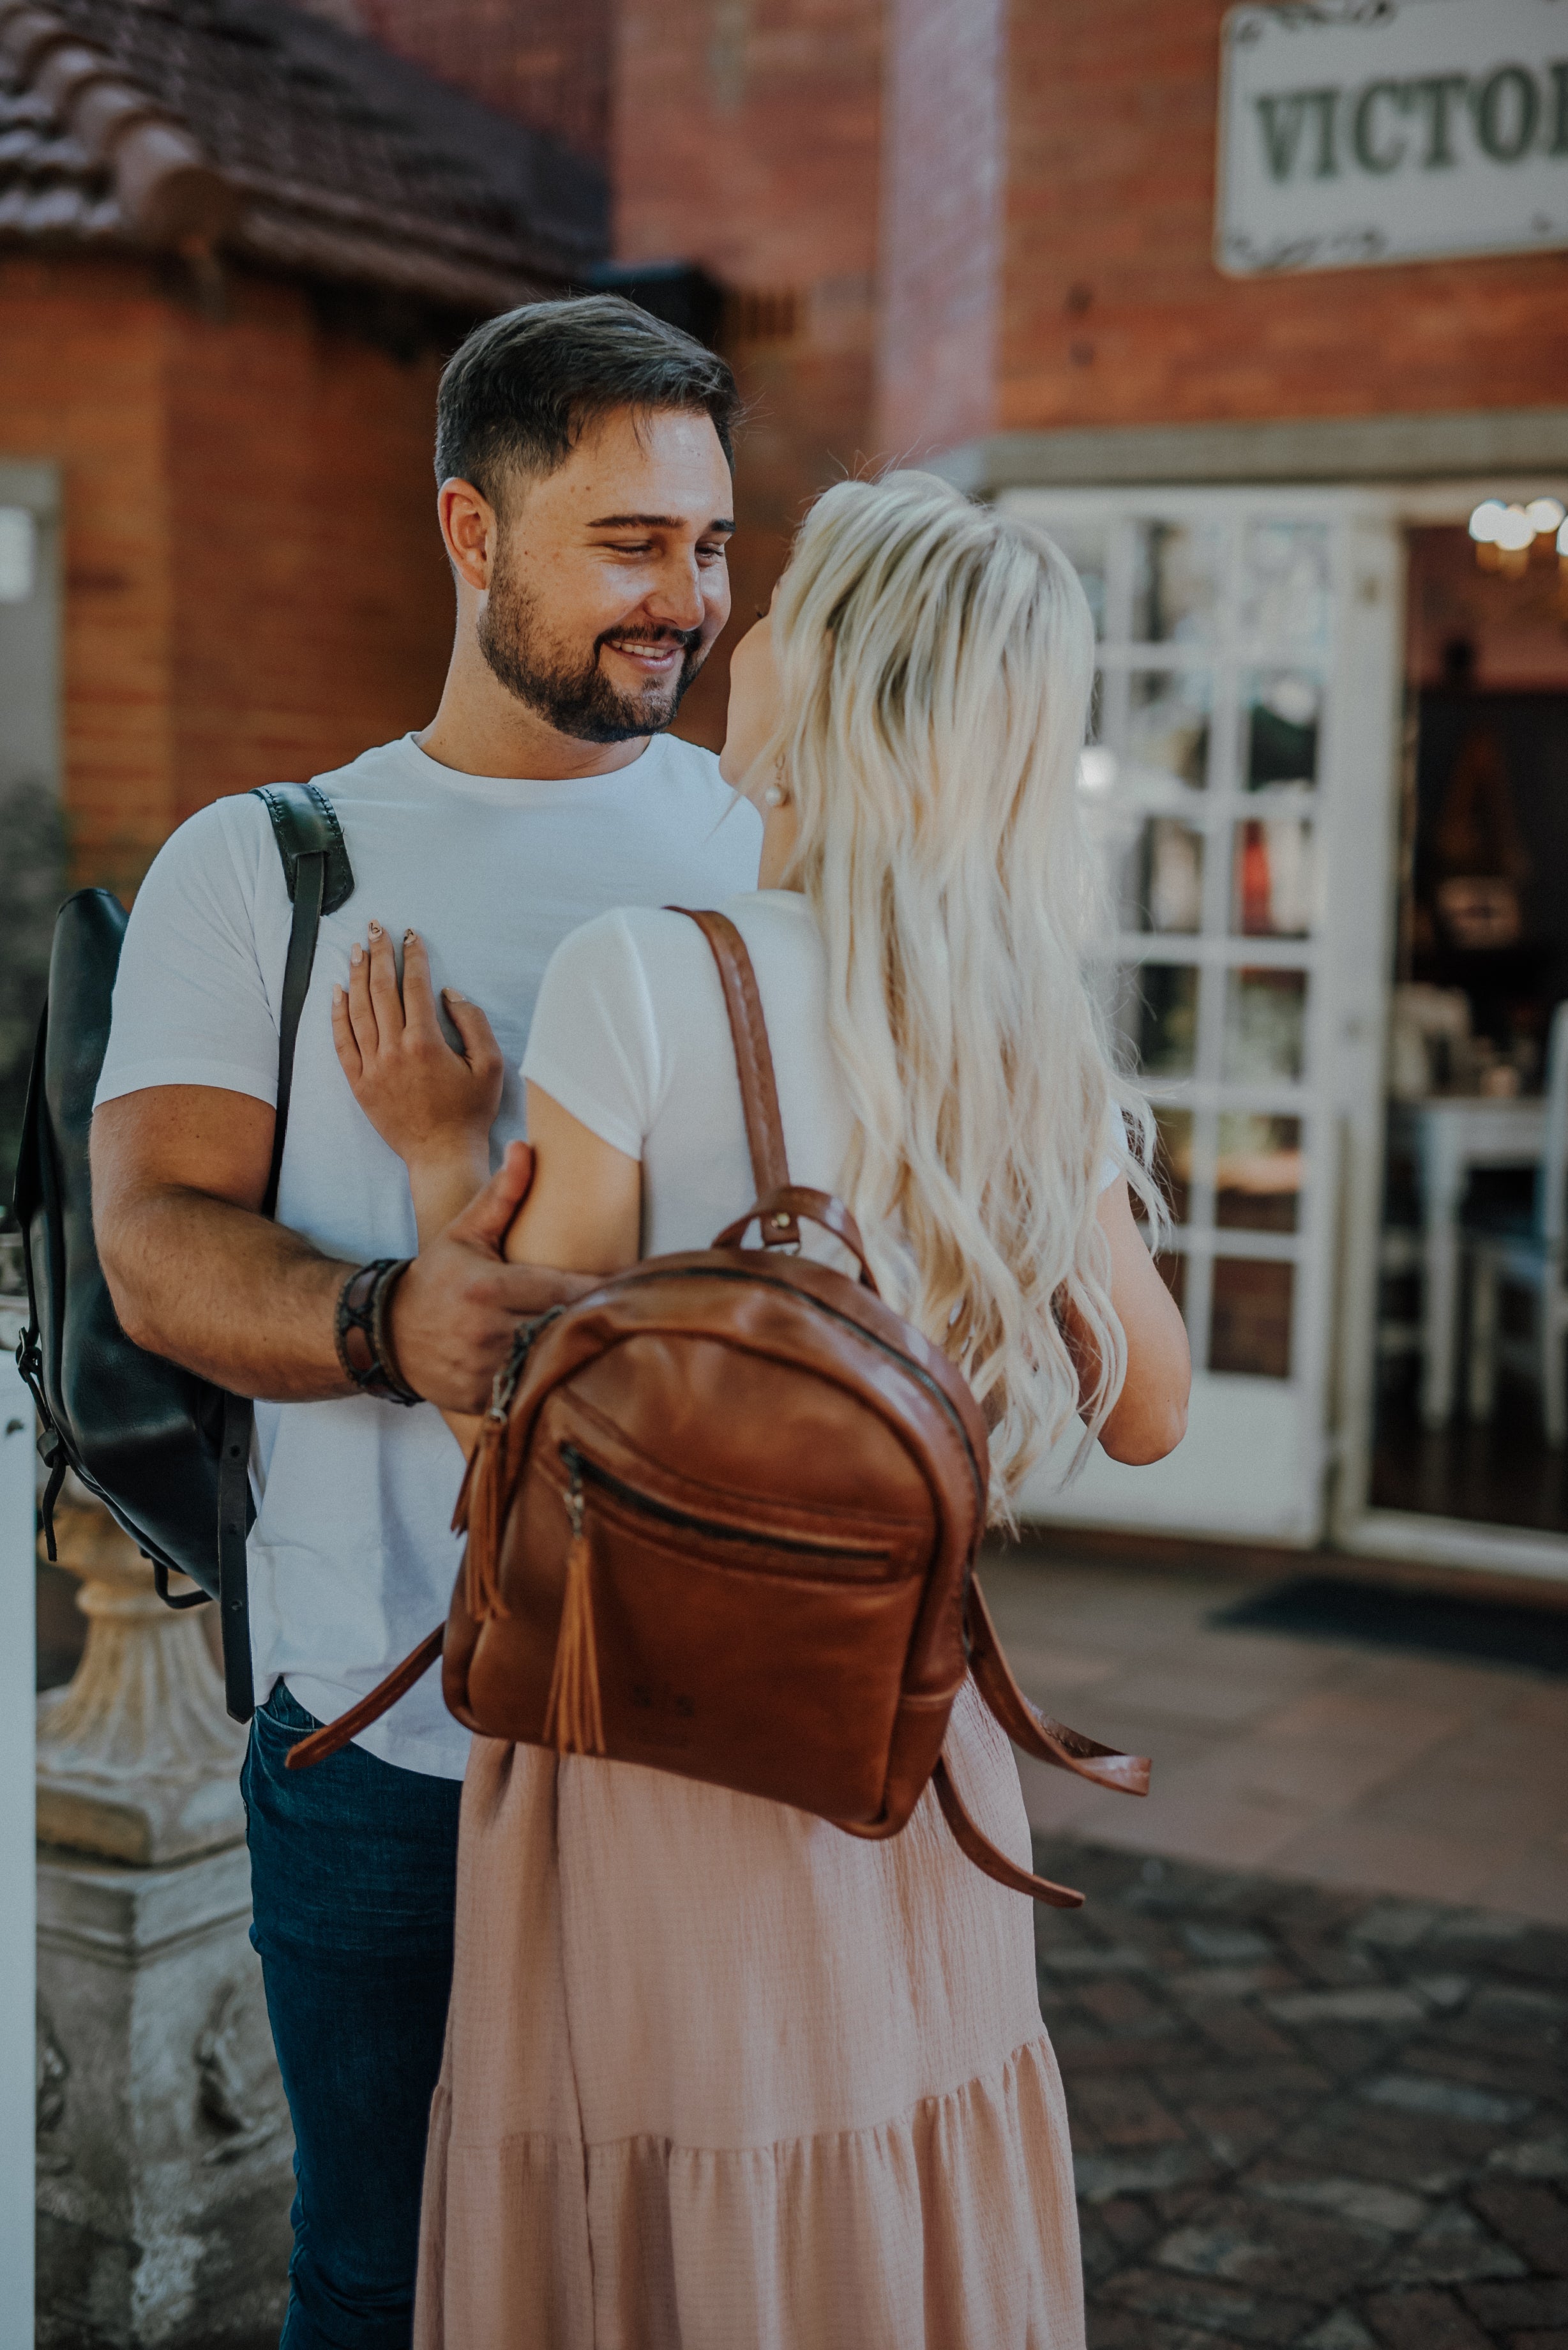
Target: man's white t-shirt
[{"x": 351, "y": 1557}]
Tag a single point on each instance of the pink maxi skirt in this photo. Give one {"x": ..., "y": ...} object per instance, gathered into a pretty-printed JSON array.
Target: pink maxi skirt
[{"x": 721, "y": 2077}]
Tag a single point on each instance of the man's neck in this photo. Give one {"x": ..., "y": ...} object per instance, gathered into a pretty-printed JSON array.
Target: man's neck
[{"x": 480, "y": 729}]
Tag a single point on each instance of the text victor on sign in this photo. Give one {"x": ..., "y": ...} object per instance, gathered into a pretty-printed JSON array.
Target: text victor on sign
[{"x": 1357, "y": 131}]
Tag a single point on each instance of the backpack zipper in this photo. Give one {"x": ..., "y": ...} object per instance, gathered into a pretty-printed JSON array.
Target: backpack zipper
[
  {"x": 582, "y": 1471},
  {"x": 717, "y": 1273},
  {"x": 504, "y": 1385}
]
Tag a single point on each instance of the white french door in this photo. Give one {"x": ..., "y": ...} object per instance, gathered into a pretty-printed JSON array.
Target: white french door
[{"x": 1240, "y": 782}]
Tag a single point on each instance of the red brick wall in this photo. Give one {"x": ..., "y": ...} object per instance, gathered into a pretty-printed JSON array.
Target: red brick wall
[
  {"x": 941, "y": 215},
  {"x": 1113, "y": 311},
  {"x": 254, "y": 583},
  {"x": 745, "y": 138},
  {"x": 741, "y": 134},
  {"x": 313, "y": 607},
  {"x": 546, "y": 62},
  {"x": 81, "y": 383}
]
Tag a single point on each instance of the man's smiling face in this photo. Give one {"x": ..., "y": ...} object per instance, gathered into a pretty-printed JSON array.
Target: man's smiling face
[{"x": 609, "y": 581}]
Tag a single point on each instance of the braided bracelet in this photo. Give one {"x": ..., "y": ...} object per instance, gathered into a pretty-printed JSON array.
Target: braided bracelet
[{"x": 364, "y": 1338}]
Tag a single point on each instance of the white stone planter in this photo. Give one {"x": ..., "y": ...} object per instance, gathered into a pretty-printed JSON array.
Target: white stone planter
[{"x": 163, "y": 2152}]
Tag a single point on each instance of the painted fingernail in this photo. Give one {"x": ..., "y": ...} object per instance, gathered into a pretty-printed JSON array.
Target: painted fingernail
[
  {"x": 356, "y": 952},
  {"x": 411, "y": 938},
  {"x": 374, "y": 929},
  {"x": 454, "y": 995},
  {"x": 339, "y": 994}
]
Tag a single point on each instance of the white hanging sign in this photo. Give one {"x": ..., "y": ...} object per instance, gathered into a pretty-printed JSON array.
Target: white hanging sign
[{"x": 1360, "y": 131}]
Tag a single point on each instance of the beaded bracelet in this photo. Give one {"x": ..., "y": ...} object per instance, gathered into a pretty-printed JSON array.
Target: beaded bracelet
[{"x": 364, "y": 1339}]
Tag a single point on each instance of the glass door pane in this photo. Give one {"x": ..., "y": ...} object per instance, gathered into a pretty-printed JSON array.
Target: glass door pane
[{"x": 1209, "y": 784}]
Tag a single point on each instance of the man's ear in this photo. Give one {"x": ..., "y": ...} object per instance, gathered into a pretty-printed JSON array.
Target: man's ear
[{"x": 470, "y": 529}]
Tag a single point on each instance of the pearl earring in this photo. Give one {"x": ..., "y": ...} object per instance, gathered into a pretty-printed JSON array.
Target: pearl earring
[{"x": 774, "y": 796}]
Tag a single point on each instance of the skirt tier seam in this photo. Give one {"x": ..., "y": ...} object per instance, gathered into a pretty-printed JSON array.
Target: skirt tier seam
[{"x": 777, "y": 2147}]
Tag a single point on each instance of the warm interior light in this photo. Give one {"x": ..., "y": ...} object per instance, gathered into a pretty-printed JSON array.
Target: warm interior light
[
  {"x": 1546, "y": 515},
  {"x": 1485, "y": 520},
  {"x": 1515, "y": 531},
  {"x": 1563, "y": 541}
]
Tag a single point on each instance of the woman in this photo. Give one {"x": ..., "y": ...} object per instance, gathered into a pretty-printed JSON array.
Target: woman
[{"x": 717, "y": 2075}]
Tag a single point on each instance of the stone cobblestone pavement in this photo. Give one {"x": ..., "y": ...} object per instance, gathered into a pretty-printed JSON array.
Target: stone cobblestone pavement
[{"x": 1307, "y": 2116}]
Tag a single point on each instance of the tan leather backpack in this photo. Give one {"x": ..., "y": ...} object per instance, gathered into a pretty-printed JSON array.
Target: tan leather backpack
[{"x": 722, "y": 1520}]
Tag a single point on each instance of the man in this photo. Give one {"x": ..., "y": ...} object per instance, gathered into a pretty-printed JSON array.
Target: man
[{"x": 582, "y": 452}]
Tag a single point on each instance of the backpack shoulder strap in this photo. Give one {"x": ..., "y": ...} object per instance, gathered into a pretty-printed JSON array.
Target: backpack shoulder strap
[
  {"x": 754, "y": 1061},
  {"x": 1052, "y": 1742},
  {"x": 304, "y": 824},
  {"x": 320, "y": 878},
  {"x": 984, "y": 1854},
  {"x": 1047, "y": 1740}
]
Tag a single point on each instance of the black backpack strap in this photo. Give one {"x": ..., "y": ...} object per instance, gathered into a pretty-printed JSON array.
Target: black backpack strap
[
  {"x": 25, "y": 1202},
  {"x": 304, "y": 824},
  {"x": 320, "y": 879},
  {"x": 234, "y": 1575}
]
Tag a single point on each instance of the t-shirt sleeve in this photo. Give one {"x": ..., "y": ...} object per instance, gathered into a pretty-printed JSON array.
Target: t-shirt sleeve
[
  {"x": 191, "y": 1006},
  {"x": 594, "y": 1047}
]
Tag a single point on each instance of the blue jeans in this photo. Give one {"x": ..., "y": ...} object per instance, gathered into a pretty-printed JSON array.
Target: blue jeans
[{"x": 353, "y": 1878}]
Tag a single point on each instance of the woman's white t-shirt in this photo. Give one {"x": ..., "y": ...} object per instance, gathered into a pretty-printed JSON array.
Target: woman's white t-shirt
[{"x": 631, "y": 1036}]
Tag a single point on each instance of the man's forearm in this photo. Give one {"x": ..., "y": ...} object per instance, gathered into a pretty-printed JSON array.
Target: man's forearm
[
  {"x": 240, "y": 1300},
  {"x": 197, "y": 1274}
]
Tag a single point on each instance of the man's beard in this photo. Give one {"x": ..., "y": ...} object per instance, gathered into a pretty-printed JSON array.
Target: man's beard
[{"x": 580, "y": 702}]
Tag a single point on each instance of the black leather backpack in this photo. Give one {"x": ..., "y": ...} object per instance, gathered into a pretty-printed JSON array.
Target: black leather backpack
[{"x": 166, "y": 1454}]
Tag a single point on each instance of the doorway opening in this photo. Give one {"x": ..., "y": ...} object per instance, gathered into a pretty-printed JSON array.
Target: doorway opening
[{"x": 1470, "y": 1273}]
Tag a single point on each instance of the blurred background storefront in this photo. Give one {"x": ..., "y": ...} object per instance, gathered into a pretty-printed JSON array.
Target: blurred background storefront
[
  {"x": 1260, "y": 312},
  {"x": 1283, "y": 391}
]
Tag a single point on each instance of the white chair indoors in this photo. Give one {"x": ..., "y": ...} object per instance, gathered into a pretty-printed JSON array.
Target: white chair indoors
[
  {"x": 1527, "y": 1248},
  {"x": 1400, "y": 1257},
  {"x": 1401, "y": 1261}
]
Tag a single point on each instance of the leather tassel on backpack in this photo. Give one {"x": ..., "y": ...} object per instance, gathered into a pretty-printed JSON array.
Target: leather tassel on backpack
[
  {"x": 574, "y": 1717},
  {"x": 479, "y": 1515}
]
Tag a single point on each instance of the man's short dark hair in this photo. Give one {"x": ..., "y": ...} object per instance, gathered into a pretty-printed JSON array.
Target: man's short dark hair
[{"x": 518, "y": 394}]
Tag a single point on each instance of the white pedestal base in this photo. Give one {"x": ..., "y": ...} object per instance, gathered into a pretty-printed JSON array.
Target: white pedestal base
[{"x": 164, "y": 2150}]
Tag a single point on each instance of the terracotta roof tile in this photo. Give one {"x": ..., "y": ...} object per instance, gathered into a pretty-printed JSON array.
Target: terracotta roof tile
[{"x": 250, "y": 127}]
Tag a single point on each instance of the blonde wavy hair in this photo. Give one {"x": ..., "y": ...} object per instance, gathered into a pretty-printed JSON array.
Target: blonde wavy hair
[{"x": 935, "y": 660}]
